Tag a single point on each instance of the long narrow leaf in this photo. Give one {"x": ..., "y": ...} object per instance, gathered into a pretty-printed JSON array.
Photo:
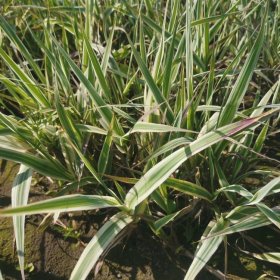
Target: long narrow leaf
[
  {"x": 161, "y": 171},
  {"x": 264, "y": 191},
  {"x": 16, "y": 40},
  {"x": 241, "y": 85},
  {"x": 98, "y": 70},
  {"x": 159, "y": 98},
  {"x": 20, "y": 192},
  {"x": 98, "y": 245},
  {"x": 205, "y": 251},
  {"x": 75, "y": 202},
  {"x": 33, "y": 88},
  {"x": 43, "y": 166},
  {"x": 188, "y": 188},
  {"x": 155, "y": 127},
  {"x": 100, "y": 104}
]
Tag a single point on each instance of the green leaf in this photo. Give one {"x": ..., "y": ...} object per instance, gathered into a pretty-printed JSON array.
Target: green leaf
[
  {"x": 272, "y": 257},
  {"x": 48, "y": 168},
  {"x": 155, "y": 128},
  {"x": 107, "y": 52},
  {"x": 189, "y": 66},
  {"x": 98, "y": 70},
  {"x": 68, "y": 203},
  {"x": 99, "y": 244},
  {"x": 159, "y": 30},
  {"x": 244, "y": 218},
  {"x": 264, "y": 191},
  {"x": 91, "y": 129},
  {"x": 270, "y": 214},
  {"x": 240, "y": 87},
  {"x": 51, "y": 57},
  {"x": 105, "y": 153},
  {"x": 93, "y": 171},
  {"x": 176, "y": 184},
  {"x": 160, "y": 223},
  {"x": 188, "y": 188},
  {"x": 20, "y": 46},
  {"x": 254, "y": 220},
  {"x": 20, "y": 192},
  {"x": 159, "y": 98},
  {"x": 206, "y": 249},
  {"x": 162, "y": 170},
  {"x": 68, "y": 124},
  {"x": 103, "y": 109},
  {"x": 170, "y": 145},
  {"x": 166, "y": 86},
  {"x": 12, "y": 143},
  {"x": 18, "y": 93},
  {"x": 236, "y": 189},
  {"x": 32, "y": 87}
]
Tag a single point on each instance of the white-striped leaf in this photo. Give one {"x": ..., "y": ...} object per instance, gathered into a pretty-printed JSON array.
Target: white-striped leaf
[
  {"x": 20, "y": 192},
  {"x": 264, "y": 191},
  {"x": 206, "y": 249},
  {"x": 155, "y": 127},
  {"x": 98, "y": 245},
  {"x": 161, "y": 171},
  {"x": 272, "y": 257},
  {"x": 240, "y": 87},
  {"x": 68, "y": 203},
  {"x": 44, "y": 166}
]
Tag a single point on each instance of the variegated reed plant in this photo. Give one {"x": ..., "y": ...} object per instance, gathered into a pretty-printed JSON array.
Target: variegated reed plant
[{"x": 149, "y": 103}]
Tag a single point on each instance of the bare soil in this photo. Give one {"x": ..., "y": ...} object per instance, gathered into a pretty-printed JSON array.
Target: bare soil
[{"x": 51, "y": 254}]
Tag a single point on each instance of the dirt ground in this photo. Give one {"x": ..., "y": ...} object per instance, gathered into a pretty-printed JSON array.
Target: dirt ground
[
  {"x": 53, "y": 257},
  {"x": 51, "y": 254}
]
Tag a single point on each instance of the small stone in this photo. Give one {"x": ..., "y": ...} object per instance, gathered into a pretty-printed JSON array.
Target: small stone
[{"x": 119, "y": 276}]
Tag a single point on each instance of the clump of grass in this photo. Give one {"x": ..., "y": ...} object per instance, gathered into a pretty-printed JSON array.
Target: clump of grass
[{"x": 149, "y": 103}]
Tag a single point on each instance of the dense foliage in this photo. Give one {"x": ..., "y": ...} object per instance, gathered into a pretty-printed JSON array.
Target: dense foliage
[{"x": 159, "y": 110}]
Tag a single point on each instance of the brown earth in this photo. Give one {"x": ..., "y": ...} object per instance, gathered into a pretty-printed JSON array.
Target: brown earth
[{"x": 51, "y": 253}]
